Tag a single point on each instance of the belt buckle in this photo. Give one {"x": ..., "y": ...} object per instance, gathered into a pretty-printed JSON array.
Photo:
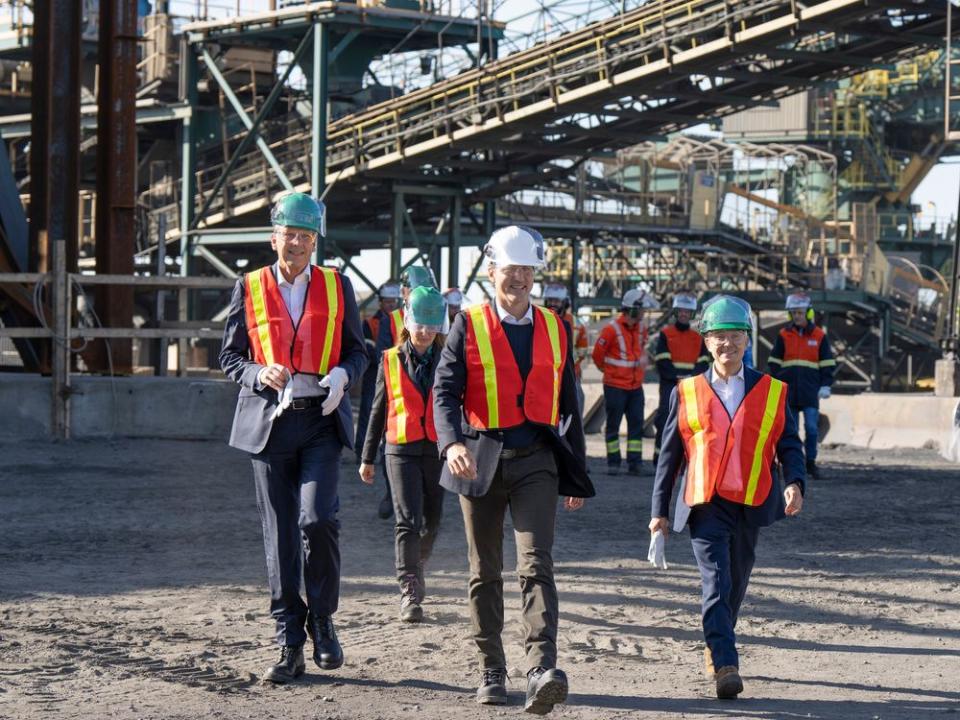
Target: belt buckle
[{"x": 298, "y": 404}]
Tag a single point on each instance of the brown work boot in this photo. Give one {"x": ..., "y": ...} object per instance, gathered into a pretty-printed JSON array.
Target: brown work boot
[
  {"x": 729, "y": 682},
  {"x": 708, "y": 668}
]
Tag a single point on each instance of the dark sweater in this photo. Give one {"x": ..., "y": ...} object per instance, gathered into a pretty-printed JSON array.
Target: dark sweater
[{"x": 520, "y": 338}]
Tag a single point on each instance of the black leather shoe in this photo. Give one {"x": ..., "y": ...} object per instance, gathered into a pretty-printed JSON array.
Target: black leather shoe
[
  {"x": 289, "y": 667},
  {"x": 493, "y": 687},
  {"x": 545, "y": 688},
  {"x": 812, "y": 470},
  {"x": 385, "y": 509},
  {"x": 327, "y": 653}
]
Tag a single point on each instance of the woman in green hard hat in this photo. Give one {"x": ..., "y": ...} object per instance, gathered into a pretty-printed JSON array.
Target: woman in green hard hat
[
  {"x": 731, "y": 437},
  {"x": 403, "y": 413}
]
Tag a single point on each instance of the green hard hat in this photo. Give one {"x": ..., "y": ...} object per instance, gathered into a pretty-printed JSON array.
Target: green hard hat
[
  {"x": 299, "y": 210},
  {"x": 416, "y": 276},
  {"x": 426, "y": 308},
  {"x": 725, "y": 312}
]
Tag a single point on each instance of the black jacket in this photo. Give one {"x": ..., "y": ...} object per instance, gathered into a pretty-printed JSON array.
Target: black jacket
[
  {"x": 256, "y": 403},
  {"x": 378, "y": 413},
  {"x": 673, "y": 463},
  {"x": 448, "y": 388}
]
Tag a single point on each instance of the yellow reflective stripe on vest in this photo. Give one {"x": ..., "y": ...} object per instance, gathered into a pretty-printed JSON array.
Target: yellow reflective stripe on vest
[
  {"x": 333, "y": 307},
  {"x": 396, "y": 324},
  {"x": 769, "y": 418},
  {"x": 482, "y": 333},
  {"x": 698, "y": 473},
  {"x": 553, "y": 331},
  {"x": 828, "y": 363},
  {"x": 260, "y": 311},
  {"x": 393, "y": 366},
  {"x": 662, "y": 356},
  {"x": 799, "y": 363}
]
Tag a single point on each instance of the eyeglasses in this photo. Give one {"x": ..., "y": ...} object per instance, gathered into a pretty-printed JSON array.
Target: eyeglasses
[{"x": 301, "y": 236}]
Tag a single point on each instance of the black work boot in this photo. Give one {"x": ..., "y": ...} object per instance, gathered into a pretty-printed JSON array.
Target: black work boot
[
  {"x": 545, "y": 688},
  {"x": 812, "y": 470},
  {"x": 327, "y": 653},
  {"x": 410, "y": 598},
  {"x": 493, "y": 687},
  {"x": 289, "y": 667}
]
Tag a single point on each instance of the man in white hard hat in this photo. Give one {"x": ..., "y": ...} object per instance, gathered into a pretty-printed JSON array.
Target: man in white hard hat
[
  {"x": 802, "y": 358},
  {"x": 620, "y": 353},
  {"x": 389, "y": 296},
  {"x": 454, "y": 300},
  {"x": 680, "y": 353},
  {"x": 556, "y": 297},
  {"x": 508, "y": 425}
]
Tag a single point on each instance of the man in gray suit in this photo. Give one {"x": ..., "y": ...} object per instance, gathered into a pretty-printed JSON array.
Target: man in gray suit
[
  {"x": 294, "y": 344},
  {"x": 508, "y": 423}
]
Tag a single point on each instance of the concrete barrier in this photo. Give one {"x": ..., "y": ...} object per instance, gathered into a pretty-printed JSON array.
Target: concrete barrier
[{"x": 141, "y": 407}]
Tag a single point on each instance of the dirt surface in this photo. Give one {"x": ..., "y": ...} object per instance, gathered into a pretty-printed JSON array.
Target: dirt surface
[{"x": 132, "y": 585}]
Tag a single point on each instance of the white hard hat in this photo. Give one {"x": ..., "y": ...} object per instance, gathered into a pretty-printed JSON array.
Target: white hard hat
[
  {"x": 798, "y": 301},
  {"x": 634, "y": 298},
  {"x": 555, "y": 291},
  {"x": 453, "y": 296},
  {"x": 390, "y": 291},
  {"x": 516, "y": 245},
  {"x": 684, "y": 301}
]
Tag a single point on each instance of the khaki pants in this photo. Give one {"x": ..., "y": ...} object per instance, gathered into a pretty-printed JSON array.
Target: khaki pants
[{"x": 528, "y": 486}]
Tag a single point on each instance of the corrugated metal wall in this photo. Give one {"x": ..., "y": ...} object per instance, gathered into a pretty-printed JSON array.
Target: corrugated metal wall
[{"x": 791, "y": 120}]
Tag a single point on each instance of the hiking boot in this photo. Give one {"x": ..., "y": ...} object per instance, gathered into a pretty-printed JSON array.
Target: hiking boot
[
  {"x": 708, "y": 668},
  {"x": 327, "y": 653},
  {"x": 729, "y": 682},
  {"x": 289, "y": 667},
  {"x": 812, "y": 470},
  {"x": 545, "y": 688},
  {"x": 493, "y": 687},
  {"x": 410, "y": 598}
]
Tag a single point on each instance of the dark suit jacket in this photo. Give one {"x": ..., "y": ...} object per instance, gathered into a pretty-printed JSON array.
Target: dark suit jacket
[
  {"x": 378, "y": 413},
  {"x": 255, "y": 404},
  {"x": 673, "y": 462},
  {"x": 448, "y": 388}
]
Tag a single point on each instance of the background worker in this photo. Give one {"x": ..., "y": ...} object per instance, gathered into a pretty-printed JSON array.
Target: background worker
[
  {"x": 509, "y": 428},
  {"x": 388, "y": 336},
  {"x": 802, "y": 358},
  {"x": 557, "y": 298},
  {"x": 403, "y": 415},
  {"x": 454, "y": 299},
  {"x": 293, "y": 342},
  {"x": 726, "y": 430},
  {"x": 389, "y": 296},
  {"x": 620, "y": 354},
  {"x": 680, "y": 352}
]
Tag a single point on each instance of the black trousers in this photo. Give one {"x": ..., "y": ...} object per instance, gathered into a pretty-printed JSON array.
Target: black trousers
[{"x": 296, "y": 478}]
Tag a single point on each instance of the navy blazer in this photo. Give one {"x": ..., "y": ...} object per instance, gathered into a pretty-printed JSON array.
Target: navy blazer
[
  {"x": 448, "y": 388},
  {"x": 256, "y": 402},
  {"x": 673, "y": 462}
]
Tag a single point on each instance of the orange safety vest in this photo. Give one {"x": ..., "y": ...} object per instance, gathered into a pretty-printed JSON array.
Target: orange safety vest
[
  {"x": 373, "y": 322},
  {"x": 627, "y": 367},
  {"x": 409, "y": 418},
  {"x": 580, "y": 342},
  {"x": 683, "y": 347},
  {"x": 730, "y": 457},
  {"x": 495, "y": 395},
  {"x": 313, "y": 346},
  {"x": 396, "y": 325},
  {"x": 802, "y": 350}
]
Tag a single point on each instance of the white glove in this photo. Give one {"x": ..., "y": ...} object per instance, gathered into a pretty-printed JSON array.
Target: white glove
[
  {"x": 286, "y": 397},
  {"x": 564, "y": 425},
  {"x": 824, "y": 392},
  {"x": 655, "y": 554},
  {"x": 336, "y": 382}
]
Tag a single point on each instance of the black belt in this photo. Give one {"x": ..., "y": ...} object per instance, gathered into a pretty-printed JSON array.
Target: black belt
[
  {"x": 307, "y": 402},
  {"x": 514, "y": 453}
]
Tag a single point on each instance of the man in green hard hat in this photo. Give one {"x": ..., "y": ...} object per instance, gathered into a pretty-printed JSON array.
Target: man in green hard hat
[
  {"x": 388, "y": 335},
  {"x": 731, "y": 436},
  {"x": 293, "y": 343}
]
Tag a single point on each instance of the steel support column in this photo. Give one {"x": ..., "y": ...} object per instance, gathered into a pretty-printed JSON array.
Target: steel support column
[
  {"x": 454, "y": 234},
  {"x": 39, "y": 138},
  {"x": 574, "y": 273},
  {"x": 188, "y": 187},
  {"x": 116, "y": 175},
  {"x": 396, "y": 235},
  {"x": 318, "y": 145}
]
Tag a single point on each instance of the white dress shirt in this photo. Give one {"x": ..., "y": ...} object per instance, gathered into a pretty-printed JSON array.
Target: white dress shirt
[
  {"x": 509, "y": 319},
  {"x": 294, "y": 294},
  {"x": 730, "y": 391}
]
